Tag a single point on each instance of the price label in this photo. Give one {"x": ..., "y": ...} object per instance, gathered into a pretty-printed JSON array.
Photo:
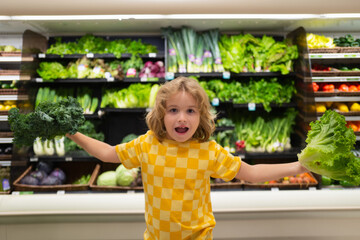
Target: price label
[
  {"x": 41, "y": 55},
  {"x": 38, "y": 80},
  {"x": 215, "y": 102},
  {"x": 251, "y": 106},
  {"x": 90, "y": 55},
  {"x": 152, "y": 55},
  {"x": 226, "y": 75},
  {"x": 169, "y": 75},
  {"x": 143, "y": 79},
  {"x": 34, "y": 159},
  {"x": 68, "y": 159},
  {"x": 110, "y": 79},
  {"x": 60, "y": 192}
]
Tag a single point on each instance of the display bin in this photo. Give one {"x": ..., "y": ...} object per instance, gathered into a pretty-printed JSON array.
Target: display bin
[
  {"x": 82, "y": 168},
  {"x": 286, "y": 186},
  {"x": 109, "y": 167}
]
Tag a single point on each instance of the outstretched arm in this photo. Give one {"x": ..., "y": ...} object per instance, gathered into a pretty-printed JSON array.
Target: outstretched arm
[
  {"x": 268, "y": 172},
  {"x": 96, "y": 148}
]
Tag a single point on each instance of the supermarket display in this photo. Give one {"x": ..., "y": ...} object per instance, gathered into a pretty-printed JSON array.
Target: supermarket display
[{"x": 252, "y": 82}]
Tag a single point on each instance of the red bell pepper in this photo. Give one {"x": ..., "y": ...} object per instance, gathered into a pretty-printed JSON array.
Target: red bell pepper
[
  {"x": 329, "y": 88},
  {"x": 315, "y": 86}
]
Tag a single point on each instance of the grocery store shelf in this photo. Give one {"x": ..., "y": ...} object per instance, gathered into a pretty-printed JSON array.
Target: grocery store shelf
[
  {"x": 97, "y": 55},
  {"x": 6, "y": 140},
  {"x": 3, "y": 118},
  {"x": 336, "y": 79},
  {"x": 13, "y": 97},
  {"x": 9, "y": 77},
  {"x": 10, "y": 59},
  {"x": 337, "y": 99},
  {"x": 333, "y": 55}
]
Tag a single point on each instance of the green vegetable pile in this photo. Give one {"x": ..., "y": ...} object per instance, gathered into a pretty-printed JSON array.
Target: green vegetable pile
[
  {"x": 246, "y": 53},
  {"x": 82, "y": 68},
  {"x": 347, "y": 41},
  {"x": 137, "y": 95},
  {"x": 47, "y": 121},
  {"x": 93, "y": 44},
  {"x": 120, "y": 177},
  {"x": 255, "y": 91},
  {"x": 328, "y": 151}
]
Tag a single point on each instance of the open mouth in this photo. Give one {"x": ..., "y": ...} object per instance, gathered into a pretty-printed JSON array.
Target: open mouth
[{"x": 181, "y": 129}]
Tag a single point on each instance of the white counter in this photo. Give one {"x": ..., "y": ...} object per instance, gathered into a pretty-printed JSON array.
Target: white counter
[{"x": 316, "y": 214}]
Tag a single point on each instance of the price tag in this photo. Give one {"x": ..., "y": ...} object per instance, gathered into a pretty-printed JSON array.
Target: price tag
[
  {"x": 169, "y": 75},
  {"x": 68, "y": 159},
  {"x": 350, "y": 56},
  {"x": 315, "y": 56},
  {"x": 143, "y": 79},
  {"x": 110, "y": 79},
  {"x": 251, "y": 106},
  {"x": 60, "y": 192},
  {"x": 38, "y": 80},
  {"x": 152, "y": 55},
  {"x": 215, "y": 102},
  {"x": 90, "y": 55},
  {"x": 34, "y": 159},
  {"x": 226, "y": 75},
  {"x": 41, "y": 55},
  {"x": 312, "y": 188},
  {"x": 274, "y": 189}
]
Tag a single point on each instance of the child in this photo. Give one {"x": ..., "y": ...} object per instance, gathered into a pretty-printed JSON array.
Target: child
[{"x": 177, "y": 160}]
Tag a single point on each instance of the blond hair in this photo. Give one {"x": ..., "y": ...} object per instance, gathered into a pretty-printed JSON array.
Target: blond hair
[{"x": 155, "y": 118}]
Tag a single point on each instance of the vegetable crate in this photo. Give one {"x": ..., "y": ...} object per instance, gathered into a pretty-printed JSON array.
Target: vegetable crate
[
  {"x": 110, "y": 167},
  {"x": 82, "y": 169}
]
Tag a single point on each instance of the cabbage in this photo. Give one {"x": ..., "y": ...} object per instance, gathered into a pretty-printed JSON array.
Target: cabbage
[
  {"x": 124, "y": 176},
  {"x": 107, "y": 179},
  {"x": 328, "y": 151}
]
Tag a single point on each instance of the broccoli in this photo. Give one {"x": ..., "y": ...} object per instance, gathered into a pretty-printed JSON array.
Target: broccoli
[
  {"x": 49, "y": 120},
  {"x": 328, "y": 150}
]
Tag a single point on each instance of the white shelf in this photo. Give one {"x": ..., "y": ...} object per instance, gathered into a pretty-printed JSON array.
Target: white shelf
[
  {"x": 6, "y": 140},
  {"x": 336, "y": 79},
  {"x": 337, "y": 99},
  {"x": 333, "y": 55},
  {"x": 10, "y": 59},
  {"x": 9, "y": 77},
  {"x": 13, "y": 97}
]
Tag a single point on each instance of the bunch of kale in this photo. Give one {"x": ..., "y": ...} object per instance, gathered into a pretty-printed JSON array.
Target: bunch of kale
[{"x": 50, "y": 119}]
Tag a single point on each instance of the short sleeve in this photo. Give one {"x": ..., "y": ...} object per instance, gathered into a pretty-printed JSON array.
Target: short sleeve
[
  {"x": 226, "y": 166},
  {"x": 128, "y": 153}
]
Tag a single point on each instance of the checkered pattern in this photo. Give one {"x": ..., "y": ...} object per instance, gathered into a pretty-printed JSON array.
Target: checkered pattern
[{"x": 176, "y": 179}]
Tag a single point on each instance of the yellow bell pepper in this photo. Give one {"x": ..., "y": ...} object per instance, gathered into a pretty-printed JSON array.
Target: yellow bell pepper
[{"x": 355, "y": 107}]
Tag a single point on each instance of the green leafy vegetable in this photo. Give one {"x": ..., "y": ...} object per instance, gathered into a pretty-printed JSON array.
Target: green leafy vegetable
[
  {"x": 47, "y": 121},
  {"x": 328, "y": 150}
]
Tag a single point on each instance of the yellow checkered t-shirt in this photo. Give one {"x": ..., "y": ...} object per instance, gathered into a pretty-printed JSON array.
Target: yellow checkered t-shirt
[{"x": 176, "y": 180}]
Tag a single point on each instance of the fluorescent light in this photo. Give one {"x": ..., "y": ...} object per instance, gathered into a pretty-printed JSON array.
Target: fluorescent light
[
  {"x": 163, "y": 16},
  {"x": 181, "y": 16}
]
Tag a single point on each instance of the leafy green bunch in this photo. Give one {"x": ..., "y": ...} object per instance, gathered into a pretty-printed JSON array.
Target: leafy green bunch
[
  {"x": 49, "y": 120},
  {"x": 328, "y": 150}
]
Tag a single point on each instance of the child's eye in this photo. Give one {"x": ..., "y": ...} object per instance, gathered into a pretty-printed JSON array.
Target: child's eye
[
  {"x": 191, "y": 110},
  {"x": 173, "y": 110}
]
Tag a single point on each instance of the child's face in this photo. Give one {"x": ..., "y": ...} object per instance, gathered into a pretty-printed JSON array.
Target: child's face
[{"x": 182, "y": 117}]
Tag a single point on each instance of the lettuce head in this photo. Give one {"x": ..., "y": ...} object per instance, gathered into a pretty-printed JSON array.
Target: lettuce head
[{"x": 328, "y": 150}]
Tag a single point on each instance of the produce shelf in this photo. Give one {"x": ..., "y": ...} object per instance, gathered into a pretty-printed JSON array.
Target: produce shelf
[
  {"x": 97, "y": 55},
  {"x": 336, "y": 79}
]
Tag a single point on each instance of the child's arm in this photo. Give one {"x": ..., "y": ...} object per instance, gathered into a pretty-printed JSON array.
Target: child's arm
[
  {"x": 268, "y": 172},
  {"x": 96, "y": 148}
]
